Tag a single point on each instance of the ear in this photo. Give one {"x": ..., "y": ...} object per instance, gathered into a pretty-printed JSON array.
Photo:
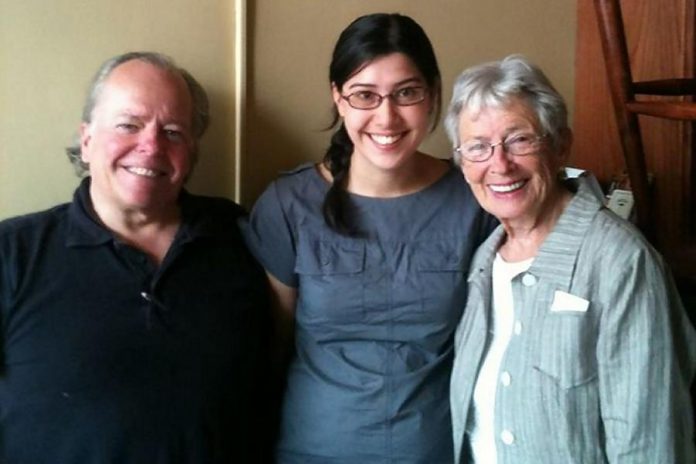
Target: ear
[
  {"x": 337, "y": 99},
  {"x": 85, "y": 140}
]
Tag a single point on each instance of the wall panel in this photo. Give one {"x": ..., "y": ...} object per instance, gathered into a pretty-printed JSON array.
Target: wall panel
[{"x": 48, "y": 53}]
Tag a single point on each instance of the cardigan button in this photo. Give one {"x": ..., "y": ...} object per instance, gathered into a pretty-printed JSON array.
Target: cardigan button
[
  {"x": 505, "y": 378},
  {"x": 528, "y": 280},
  {"x": 507, "y": 437}
]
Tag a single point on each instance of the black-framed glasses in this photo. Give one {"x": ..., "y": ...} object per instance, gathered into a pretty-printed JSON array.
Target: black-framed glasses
[
  {"x": 479, "y": 151},
  {"x": 369, "y": 100}
]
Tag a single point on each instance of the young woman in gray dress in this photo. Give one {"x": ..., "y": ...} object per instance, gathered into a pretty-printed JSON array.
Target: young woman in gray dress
[
  {"x": 574, "y": 346},
  {"x": 367, "y": 252}
]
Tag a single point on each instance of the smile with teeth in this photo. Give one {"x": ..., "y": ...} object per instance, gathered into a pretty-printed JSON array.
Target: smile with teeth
[
  {"x": 144, "y": 172},
  {"x": 507, "y": 187},
  {"x": 385, "y": 139}
]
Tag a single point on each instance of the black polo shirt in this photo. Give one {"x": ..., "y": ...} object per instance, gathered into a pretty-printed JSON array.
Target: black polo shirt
[{"x": 107, "y": 358}]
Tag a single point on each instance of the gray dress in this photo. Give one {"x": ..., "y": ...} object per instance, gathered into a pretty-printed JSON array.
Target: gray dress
[{"x": 375, "y": 317}]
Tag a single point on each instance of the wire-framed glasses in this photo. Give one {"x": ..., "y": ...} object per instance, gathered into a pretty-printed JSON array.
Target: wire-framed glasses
[
  {"x": 479, "y": 151},
  {"x": 369, "y": 100}
]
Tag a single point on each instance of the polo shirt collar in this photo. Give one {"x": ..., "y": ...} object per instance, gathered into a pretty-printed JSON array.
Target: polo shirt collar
[
  {"x": 196, "y": 222},
  {"x": 84, "y": 229}
]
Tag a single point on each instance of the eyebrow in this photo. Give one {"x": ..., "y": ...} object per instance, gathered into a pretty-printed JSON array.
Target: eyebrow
[
  {"x": 398, "y": 84},
  {"x": 127, "y": 114},
  {"x": 516, "y": 128},
  {"x": 131, "y": 115},
  {"x": 507, "y": 132}
]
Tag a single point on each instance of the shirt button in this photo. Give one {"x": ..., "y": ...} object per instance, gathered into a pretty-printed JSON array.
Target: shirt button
[
  {"x": 528, "y": 280},
  {"x": 518, "y": 328},
  {"x": 505, "y": 378},
  {"x": 507, "y": 437}
]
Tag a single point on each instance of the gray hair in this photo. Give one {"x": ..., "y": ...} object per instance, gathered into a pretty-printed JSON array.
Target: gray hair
[
  {"x": 494, "y": 84},
  {"x": 200, "y": 117}
]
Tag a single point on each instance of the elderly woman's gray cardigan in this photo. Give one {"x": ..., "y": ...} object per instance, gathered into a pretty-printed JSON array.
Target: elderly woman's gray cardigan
[{"x": 607, "y": 384}]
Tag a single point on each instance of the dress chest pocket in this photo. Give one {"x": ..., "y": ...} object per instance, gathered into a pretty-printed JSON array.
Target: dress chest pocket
[
  {"x": 331, "y": 279},
  {"x": 440, "y": 278}
]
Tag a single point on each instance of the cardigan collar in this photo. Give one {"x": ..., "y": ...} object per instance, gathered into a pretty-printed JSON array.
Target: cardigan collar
[{"x": 555, "y": 259}]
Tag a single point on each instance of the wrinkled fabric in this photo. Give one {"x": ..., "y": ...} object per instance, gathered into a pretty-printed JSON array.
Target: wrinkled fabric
[{"x": 602, "y": 382}]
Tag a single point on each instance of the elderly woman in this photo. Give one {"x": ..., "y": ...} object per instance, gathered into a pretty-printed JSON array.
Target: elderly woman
[{"x": 574, "y": 346}]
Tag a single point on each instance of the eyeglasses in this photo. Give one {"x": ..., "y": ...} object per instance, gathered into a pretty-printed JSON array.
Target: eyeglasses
[
  {"x": 369, "y": 100},
  {"x": 479, "y": 151}
]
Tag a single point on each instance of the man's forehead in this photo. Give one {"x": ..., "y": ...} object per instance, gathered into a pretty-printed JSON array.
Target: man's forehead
[
  {"x": 141, "y": 72},
  {"x": 140, "y": 84}
]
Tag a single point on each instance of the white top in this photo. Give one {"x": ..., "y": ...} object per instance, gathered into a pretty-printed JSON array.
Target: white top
[{"x": 482, "y": 433}]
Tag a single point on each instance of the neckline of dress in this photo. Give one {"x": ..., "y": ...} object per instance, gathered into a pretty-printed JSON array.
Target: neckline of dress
[{"x": 365, "y": 198}]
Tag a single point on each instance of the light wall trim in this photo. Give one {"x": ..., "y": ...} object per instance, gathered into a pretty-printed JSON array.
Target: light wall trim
[{"x": 240, "y": 76}]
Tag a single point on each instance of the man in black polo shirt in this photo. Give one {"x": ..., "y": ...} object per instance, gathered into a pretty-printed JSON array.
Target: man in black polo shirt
[{"x": 133, "y": 319}]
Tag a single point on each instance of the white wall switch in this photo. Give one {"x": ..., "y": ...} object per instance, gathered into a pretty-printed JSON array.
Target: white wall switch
[{"x": 621, "y": 202}]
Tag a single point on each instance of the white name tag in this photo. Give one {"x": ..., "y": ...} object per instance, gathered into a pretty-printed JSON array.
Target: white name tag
[{"x": 565, "y": 302}]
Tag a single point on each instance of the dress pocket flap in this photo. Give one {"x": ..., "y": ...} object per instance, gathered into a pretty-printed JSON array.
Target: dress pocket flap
[
  {"x": 322, "y": 257},
  {"x": 438, "y": 257}
]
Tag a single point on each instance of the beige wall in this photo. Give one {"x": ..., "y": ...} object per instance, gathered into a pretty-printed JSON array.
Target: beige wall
[
  {"x": 291, "y": 42},
  {"x": 49, "y": 50},
  {"x": 48, "y": 53}
]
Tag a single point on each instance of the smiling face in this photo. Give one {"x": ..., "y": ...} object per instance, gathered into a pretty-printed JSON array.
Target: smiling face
[
  {"x": 139, "y": 143},
  {"x": 518, "y": 190},
  {"x": 387, "y": 137}
]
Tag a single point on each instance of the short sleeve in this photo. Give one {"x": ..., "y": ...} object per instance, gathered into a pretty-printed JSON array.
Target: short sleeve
[{"x": 270, "y": 236}]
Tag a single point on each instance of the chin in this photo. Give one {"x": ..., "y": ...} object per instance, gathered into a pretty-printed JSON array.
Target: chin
[{"x": 505, "y": 214}]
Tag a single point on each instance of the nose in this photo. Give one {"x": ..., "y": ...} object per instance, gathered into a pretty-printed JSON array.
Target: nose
[
  {"x": 150, "y": 140},
  {"x": 501, "y": 160},
  {"x": 387, "y": 109}
]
